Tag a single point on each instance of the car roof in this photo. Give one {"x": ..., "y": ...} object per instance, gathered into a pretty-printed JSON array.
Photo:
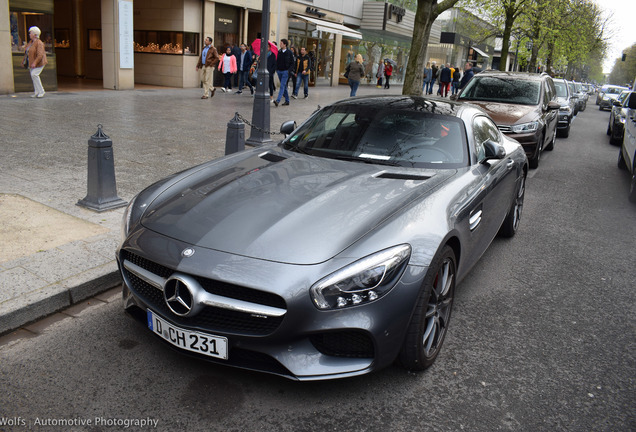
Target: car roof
[
  {"x": 524, "y": 75},
  {"x": 417, "y": 103}
]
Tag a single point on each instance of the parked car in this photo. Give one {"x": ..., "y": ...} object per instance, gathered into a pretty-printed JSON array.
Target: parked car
[
  {"x": 332, "y": 253},
  {"x": 581, "y": 96},
  {"x": 524, "y": 106},
  {"x": 607, "y": 96},
  {"x": 616, "y": 124},
  {"x": 575, "y": 97},
  {"x": 566, "y": 110},
  {"x": 627, "y": 153}
]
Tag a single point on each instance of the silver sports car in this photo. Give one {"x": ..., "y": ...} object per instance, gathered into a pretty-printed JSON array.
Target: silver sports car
[{"x": 330, "y": 254}]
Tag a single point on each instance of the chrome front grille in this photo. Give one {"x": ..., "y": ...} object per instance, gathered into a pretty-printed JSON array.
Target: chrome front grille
[
  {"x": 504, "y": 128},
  {"x": 211, "y": 318}
]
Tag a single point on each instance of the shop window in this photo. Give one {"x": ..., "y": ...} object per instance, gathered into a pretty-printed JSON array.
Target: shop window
[
  {"x": 20, "y": 22},
  {"x": 95, "y": 39},
  {"x": 62, "y": 39},
  {"x": 166, "y": 42}
]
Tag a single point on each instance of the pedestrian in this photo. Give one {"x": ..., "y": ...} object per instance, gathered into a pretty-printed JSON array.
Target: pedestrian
[
  {"x": 207, "y": 61},
  {"x": 428, "y": 73},
  {"x": 388, "y": 71},
  {"x": 244, "y": 64},
  {"x": 445, "y": 78},
  {"x": 434, "y": 73},
  {"x": 292, "y": 73},
  {"x": 236, "y": 52},
  {"x": 303, "y": 68},
  {"x": 271, "y": 68},
  {"x": 284, "y": 65},
  {"x": 468, "y": 74},
  {"x": 35, "y": 60},
  {"x": 355, "y": 72},
  {"x": 456, "y": 77},
  {"x": 380, "y": 73},
  {"x": 227, "y": 66}
]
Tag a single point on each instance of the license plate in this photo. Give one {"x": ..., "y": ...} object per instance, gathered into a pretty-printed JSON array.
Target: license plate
[{"x": 213, "y": 346}]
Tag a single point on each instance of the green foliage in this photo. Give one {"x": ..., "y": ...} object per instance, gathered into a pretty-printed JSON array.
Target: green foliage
[{"x": 624, "y": 72}]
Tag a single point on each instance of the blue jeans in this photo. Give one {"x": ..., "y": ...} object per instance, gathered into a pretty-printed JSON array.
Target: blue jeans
[
  {"x": 304, "y": 79},
  {"x": 429, "y": 90},
  {"x": 455, "y": 86},
  {"x": 244, "y": 78},
  {"x": 354, "y": 87},
  {"x": 283, "y": 76}
]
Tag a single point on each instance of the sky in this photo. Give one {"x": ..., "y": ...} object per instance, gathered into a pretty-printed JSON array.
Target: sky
[{"x": 623, "y": 25}]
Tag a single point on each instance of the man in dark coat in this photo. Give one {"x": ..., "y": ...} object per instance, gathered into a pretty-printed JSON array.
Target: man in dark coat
[
  {"x": 284, "y": 66},
  {"x": 445, "y": 79},
  {"x": 468, "y": 74},
  {"x": 243, "y": 63}
]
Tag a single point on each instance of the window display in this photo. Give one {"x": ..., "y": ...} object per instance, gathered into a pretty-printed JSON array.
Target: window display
[
  {"x": 20, "y": 22},
  {"x": 166, "y": 42}
]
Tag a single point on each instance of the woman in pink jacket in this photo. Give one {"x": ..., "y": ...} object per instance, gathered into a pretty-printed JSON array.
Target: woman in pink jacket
[{"x": 227, "y": 65}]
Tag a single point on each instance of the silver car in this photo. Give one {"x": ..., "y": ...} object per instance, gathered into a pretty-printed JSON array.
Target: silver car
[
  {"x": 627, "y": 153},
  {"x": 332, "y": 253}
]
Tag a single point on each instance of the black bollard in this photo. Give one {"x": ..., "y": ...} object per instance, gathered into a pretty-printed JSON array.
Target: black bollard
[
  {"x": 235, "y": 137},
  {"x": 102, "y": 190}
]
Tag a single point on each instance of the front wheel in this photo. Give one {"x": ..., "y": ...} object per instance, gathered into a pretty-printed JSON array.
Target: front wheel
[{"x": 429, "y": 323}]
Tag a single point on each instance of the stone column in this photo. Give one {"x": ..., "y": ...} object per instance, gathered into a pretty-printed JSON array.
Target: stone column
[
  {"x": 115, "y": 77},
  {"x": 6, "y": 58}
]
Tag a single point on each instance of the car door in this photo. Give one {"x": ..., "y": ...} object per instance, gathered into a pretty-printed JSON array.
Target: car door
[
  {"x": 629, "y": 138},
  {"x": 492, "y": 193},
  {"x": 549, "y": 94}
]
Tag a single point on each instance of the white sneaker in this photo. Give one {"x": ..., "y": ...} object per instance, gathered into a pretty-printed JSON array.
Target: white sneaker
[
  {"x": 41, "y": 95},
  {"x": 224, "y": 89},
  {"x": 34, "y": 95},
  {"x": 295, "y": 97}
]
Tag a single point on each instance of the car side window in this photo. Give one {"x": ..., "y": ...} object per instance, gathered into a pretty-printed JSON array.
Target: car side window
[{"x": 484, "y": 129}]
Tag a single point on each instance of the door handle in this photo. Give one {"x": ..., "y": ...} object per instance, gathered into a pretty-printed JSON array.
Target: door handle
[{"x": 510, "y": 164}]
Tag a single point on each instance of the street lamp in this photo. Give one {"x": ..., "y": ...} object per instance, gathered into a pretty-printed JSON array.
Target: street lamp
[{"x": 259, "y": 134}]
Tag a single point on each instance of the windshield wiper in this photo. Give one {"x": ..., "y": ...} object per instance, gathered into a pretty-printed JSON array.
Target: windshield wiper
[
  {"x": 367, "y": 161},
  {"x": 295, "y": 148}
]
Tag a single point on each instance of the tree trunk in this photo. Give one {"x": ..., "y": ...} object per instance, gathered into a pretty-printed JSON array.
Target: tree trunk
[
  {"x": 510, "y": 19},
  {"x": 424, "y": 18}
]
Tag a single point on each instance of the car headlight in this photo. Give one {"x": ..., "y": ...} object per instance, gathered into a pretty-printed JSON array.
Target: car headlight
[
  {"x": 565, "y": 109},
  {"x": 525, "y": 127},
  {"x": 363, "y": 281},
  {"x": 131, "y": 216}
]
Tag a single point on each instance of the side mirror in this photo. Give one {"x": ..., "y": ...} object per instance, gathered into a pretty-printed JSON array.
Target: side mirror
[
  {"x": 288, "y": 127},
  {"x": 493, "y": 150},
  {"x": 552, "y": 105},
  {"x": 616, "y": 102}
]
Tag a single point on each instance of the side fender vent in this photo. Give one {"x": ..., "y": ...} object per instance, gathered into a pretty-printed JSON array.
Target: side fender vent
[{"x": 400, "y": 176}]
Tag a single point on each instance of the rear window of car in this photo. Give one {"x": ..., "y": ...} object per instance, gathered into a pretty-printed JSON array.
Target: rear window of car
[
  {"x": 614, "y": 90},
  {"x": 561, "y": 89},
  {"x": 503, "y": 89}
]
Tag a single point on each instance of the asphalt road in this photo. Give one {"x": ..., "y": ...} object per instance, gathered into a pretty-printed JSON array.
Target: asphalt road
[{"x": 542, "y": 338}]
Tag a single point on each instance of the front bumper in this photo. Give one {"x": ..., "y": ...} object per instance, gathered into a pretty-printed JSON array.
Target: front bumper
[
  {"x": 529, "y": 141},
  {"x": 303, "y": 344},
  {"x": 563, "y": 121}
]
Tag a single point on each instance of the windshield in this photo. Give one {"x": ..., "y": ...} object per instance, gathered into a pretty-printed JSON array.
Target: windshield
[
  {"x": 360, "y": 133},
  {"x": 561, "y": 88},
  {"x": 501, "y": 89},
  {"x": 614, "y": 90}
]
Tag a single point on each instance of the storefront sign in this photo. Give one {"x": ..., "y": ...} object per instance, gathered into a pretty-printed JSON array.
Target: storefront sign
[
  {"x": 314, "y": 11},
  {"x": 126, "y": 53},
  {"x": 397, "y": 11},
  {"x": 225, "y": 21}
]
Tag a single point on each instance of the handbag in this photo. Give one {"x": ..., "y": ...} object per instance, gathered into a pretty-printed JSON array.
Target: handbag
[
  {"x": 25, "y": 61},
  {"x": 346, "y": 74}
]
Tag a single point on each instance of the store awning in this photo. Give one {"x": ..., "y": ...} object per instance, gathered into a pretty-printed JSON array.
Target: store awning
[
  {"x": 480, "y": 52},
  {"x": 331, "y": 27}
]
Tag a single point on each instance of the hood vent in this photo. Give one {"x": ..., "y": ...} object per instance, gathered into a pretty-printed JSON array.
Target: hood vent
[
  {"x": 401, "y": 176},
  {"x": 271, "y": 157}
]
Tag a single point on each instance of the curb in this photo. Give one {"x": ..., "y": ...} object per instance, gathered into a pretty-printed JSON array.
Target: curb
[{"x": 58, "y": 296}]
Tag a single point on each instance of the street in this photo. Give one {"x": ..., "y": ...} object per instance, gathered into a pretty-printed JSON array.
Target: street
[{"x": 542, "y": 336}]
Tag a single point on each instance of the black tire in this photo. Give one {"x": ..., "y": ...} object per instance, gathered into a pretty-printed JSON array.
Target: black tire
[
  {"x": 621, "y": 162},
  {"x": 632, "y": 187},
  {"x": 609, "y": 129},
  {"x": 564, "y": 133},
  {"x": 430, "y": 319},
  {"x": 550, "y": 146},
  {"x": 615, "y": 140},
  {"x": 511, "y": 223},
  {"x": 534, "y": 162}
]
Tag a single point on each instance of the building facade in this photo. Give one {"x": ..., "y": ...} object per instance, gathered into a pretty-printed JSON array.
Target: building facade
[{"x": 124, "y": 42}]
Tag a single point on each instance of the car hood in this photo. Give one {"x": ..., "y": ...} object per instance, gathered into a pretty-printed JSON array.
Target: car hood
[
  {"x": 509, "y": 114},
  {"x": 285, "y": 207}
]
